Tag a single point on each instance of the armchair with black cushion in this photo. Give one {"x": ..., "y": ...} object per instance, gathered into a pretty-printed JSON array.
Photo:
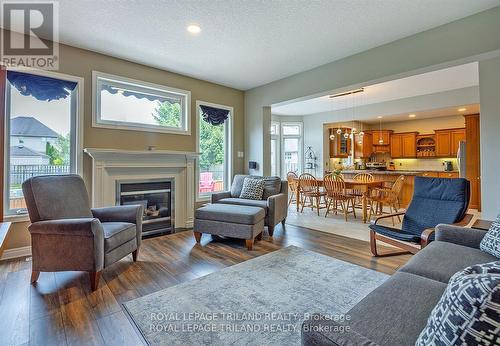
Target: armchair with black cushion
[
  {"x": 67, "y": 235},
  {"x": 435, "y": 201}
]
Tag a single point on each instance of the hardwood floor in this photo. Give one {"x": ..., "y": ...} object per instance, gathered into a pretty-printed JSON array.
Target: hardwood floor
[{"x": 61, "y": 310}]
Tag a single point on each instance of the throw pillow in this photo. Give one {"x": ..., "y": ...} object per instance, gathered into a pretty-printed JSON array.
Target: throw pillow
[
  {"x": 468, "y": 313},
  {"x": 252, "y": 188},
  {"x": 491, "y": 241}
]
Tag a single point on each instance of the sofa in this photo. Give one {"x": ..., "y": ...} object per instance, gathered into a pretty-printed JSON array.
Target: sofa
[
  {"x": 396, "y": 312},
  {"x": 274, "y": 200}
]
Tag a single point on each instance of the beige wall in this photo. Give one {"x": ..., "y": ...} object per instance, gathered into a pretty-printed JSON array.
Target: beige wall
[{"x": 81, "y": 63}]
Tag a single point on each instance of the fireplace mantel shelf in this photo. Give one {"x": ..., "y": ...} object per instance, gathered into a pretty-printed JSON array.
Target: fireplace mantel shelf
[{"x": 101, "y": 152}]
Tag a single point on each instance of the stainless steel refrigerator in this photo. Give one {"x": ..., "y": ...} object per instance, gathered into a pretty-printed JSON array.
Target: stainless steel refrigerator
[{"x": 461, "y": 159}]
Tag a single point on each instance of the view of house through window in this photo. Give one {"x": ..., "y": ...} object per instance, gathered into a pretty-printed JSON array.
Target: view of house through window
[
  {"x": 213, "y": 144},
  {"x": 41, "y": 118}
]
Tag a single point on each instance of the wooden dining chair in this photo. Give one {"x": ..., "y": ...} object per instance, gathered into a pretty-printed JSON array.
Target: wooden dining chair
[
  {"x": 358, "y": 194},
  {"x": 388, "y": 197},
  {"x": 293, "y": 185},
  {"x": 311, "y": 189},
  {"x": 338, "y": 194}
]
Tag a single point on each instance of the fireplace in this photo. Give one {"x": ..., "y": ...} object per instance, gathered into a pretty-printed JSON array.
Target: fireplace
[{"x": 157, "y": 198}]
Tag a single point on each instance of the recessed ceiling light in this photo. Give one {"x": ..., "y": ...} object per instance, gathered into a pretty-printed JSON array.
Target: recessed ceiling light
[
  {"x": 412, "y": 115},
  {"x": 462, "y": 109},
  {"x": 194, "y": 29},
  {"x": 379, "y": 117}
]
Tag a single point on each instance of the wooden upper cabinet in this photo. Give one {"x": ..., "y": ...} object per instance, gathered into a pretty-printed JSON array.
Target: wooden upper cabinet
[
  {"x": 447, "y": 142},
  {"x": 363, "y": 146},
  {"x": 409, "y": 141},
  {"x": 385, "y": 136},
  {"x": 456, "y": 137},
  {"x": 403, "y": 145},
  {"x": 443, "y": 143},
  {"x": 396, "y": 146},
  {"x": 340, "y": 147}
]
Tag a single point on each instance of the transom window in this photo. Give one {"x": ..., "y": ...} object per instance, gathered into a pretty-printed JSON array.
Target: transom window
[{"x": 134, "y": 105}]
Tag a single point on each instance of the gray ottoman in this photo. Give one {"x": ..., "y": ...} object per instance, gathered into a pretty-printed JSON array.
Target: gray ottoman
[{"x": 228, "y": 220}]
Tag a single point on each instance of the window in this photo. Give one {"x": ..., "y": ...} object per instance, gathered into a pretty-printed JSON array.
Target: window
[
  {"x": 134, "y": 105},
  {"x": 275, "y": 148},
  {"x": 292, "y": 148},
  {"x": 41, "y": 130},
  {"x": 214, "y": 144}
]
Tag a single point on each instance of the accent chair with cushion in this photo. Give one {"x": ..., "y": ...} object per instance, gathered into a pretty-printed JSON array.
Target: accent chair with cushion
[
  {"x": 67, "y": 235},
  {"x": 274, "y": 200},
  {"x": 435, "y": 201}
]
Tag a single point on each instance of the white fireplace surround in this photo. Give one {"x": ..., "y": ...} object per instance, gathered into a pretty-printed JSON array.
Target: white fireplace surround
[{"x": 111, "y": 165}]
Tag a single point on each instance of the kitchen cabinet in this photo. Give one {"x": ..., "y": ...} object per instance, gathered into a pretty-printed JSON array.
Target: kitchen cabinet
[
  {"x": 473, "y": 159},
  {"x": 448, "y": 174},
  {"x": 447, "y": 142},
  {"x": 363, "y": 146},
  {"x": 456, "y": 137},
  {"x": 403, "y": 145},
  {"x": 381, "y": 141},
  {"x": 430, "y": 174},
  {"x": 340, "y": 147}
]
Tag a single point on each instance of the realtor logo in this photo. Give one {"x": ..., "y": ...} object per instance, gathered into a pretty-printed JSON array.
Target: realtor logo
[{"x": 30, "y": 34}]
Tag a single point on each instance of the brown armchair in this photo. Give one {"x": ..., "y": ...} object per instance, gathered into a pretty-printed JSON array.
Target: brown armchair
[{"x": 66, "y": 235}]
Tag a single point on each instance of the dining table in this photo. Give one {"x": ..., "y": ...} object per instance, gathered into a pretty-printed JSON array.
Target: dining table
[{"x": 364, "y": 186}]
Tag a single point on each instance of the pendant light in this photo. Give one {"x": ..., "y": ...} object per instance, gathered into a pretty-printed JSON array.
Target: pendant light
[{"x": 380, "y": 140}]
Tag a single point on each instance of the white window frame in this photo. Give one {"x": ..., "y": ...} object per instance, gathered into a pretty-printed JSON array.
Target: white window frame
[
  {"x": 276, "y": 137},
  {"x": 300, "y": 137},
  {"x": 139, "y": 86},
  {"x": 228, "y": 149},
  {"x": 76, "y": 128}
]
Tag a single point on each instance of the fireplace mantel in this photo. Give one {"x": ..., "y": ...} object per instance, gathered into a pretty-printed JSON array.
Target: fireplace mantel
[{"x": 111, "y": 165}]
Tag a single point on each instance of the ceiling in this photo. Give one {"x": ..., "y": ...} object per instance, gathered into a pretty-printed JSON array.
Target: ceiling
[
  {"x": 434, "y": 113},
  {"x": 244, "y": 44},
  {"x": 427, "y": 83}
]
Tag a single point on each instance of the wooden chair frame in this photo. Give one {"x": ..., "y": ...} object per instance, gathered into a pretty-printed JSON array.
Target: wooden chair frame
[
  {"x": 336, "y": 192},
  {"x": 405, "y": 246},
  {"x": 310, "y": 188}
]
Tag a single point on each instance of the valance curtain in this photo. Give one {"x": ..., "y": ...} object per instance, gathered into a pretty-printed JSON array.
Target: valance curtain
[
  {"x": 214, "y": 116},
  {"x": 150, "y": 97},
  {"x": 40, "y": 87}
]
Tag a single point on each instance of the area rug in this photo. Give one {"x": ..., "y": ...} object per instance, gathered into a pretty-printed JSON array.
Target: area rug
[{"x": 262, "y": 301}]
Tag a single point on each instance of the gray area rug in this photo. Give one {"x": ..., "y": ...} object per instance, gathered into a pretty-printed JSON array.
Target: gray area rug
[{"x": 262, "y": 301}]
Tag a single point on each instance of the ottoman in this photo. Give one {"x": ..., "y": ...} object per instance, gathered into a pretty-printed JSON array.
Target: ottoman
[{"x": 229, "y": 220}]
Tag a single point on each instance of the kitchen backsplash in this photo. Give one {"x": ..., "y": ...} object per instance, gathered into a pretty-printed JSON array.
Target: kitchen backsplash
[{"x": 423, "y": 164}]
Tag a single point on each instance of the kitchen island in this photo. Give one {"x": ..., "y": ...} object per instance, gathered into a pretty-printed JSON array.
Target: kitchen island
[{"x": 390, "y": 176}]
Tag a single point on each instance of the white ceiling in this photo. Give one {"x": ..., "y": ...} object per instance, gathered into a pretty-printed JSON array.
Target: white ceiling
[
  {"x": 244, "y": 44},
  {"x": 427, "y": 83}
]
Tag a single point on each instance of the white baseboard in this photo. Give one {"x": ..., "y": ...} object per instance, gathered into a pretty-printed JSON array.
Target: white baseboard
[{"x": 16, "y": 253}]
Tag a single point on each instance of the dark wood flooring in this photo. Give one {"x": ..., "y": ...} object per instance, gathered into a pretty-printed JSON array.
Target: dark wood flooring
[{"x": 61, "y": 310}]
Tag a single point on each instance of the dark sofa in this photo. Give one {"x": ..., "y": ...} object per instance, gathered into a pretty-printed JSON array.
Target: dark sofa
[{"x": 397, "y": 311}]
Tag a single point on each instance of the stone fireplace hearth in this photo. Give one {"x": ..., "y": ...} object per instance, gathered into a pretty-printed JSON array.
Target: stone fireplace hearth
[{"x": 110, "y": 167}]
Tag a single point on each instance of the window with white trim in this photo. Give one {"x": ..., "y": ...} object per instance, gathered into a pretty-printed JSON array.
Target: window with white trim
[
  {"x": 291, "y": 137},
  {"x": 214, "y": 145},
  {"x": 129, "y": 104},
  {"x": 41, "y": 131}
]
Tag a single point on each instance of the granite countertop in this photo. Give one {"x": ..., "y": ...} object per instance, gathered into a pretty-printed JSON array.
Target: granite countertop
[{"x": 388, "y": 172}]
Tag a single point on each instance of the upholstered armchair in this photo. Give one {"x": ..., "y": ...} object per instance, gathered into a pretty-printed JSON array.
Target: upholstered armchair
[
  {"x": 67, "y": 235},
  {"x": 274, "y": 201}
]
